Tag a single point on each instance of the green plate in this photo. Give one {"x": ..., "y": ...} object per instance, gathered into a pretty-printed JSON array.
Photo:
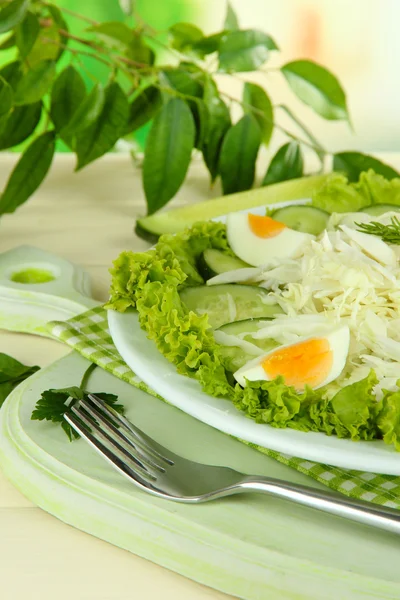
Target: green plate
[{"x": 253, "y": 546}]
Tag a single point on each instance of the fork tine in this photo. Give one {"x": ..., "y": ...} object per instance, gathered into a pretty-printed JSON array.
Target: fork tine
[
  {"x": 134, "y": 462},
  {"x": 103, "y": 450},
  {"x": 120, "y": 420},
  {"x": 120, "y": 436}
]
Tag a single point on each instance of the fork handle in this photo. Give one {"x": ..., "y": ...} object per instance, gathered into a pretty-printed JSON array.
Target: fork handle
[{"x": 331, "y": 502}]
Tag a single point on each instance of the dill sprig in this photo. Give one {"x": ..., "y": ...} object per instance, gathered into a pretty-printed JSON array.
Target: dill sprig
[{"x": 388, "y": 233}]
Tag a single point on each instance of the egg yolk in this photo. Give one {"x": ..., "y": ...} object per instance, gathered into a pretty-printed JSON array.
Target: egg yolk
[
  {"x": 305, "y": 363},
  {"x": 265, "y": 227}
]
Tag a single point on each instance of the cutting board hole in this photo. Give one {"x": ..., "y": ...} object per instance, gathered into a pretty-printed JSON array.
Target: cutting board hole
[{"x": 33, "y": 274}]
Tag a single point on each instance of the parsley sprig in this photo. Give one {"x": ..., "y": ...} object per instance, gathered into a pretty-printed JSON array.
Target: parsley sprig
[
  {"x": 388, "y": 233},
  {"x": 54, "y": 403}
]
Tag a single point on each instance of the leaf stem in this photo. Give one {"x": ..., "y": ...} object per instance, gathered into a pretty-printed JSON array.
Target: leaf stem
[
  {"x": 78, "y": 52},
  {"x": 174, "y": 92},
  {"x": 86, "y": 376},
  {"x": 173, "y": 51},
  {"x": 289, "y": 134},
  {"x": 303, "y": 127},
  {"x": 136, "y": 66},
  {"x": 71, "y": 12}
]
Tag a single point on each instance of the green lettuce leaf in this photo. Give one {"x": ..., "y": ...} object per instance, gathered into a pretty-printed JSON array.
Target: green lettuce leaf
[
  {"x": 338, "y": 195},
  {"x": 173, "y": 261},
  {"x": 351, "y": 413},
  {"x": 389, "y": 418},
  {"x": 151, "y": 282},
  {"x": 379, "y": 190},
  {"x": 277, "y": 404}
]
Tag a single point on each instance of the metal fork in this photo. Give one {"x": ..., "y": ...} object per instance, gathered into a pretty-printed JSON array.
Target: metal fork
[{"x": 160, "y": 472}]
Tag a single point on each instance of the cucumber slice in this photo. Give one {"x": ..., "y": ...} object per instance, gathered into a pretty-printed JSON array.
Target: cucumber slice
[
  {"x": 228, "y": 302},
  {"x": 376, "y": 210},
  {"x": 306, "y": 219},
  {"x": 178, "y": 219},
  {"x": 150, "y": 237},
  {"x": 248, "y": 326},
  {"x": 213, "y": 262},
  {"x": 234, "y": 356},
  {"x": 244, "y": 326}
]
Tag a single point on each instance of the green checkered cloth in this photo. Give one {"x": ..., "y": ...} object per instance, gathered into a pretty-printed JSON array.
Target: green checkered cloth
[{"x": 88, "y": 334}]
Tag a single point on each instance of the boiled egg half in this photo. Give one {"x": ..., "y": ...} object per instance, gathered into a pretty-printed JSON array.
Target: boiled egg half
[
  {"x": 256, "y": 239},
  {"x": 313, "y": 361}
]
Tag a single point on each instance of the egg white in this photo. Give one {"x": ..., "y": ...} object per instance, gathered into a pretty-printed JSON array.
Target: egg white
[{"x": 256, "y": 250}]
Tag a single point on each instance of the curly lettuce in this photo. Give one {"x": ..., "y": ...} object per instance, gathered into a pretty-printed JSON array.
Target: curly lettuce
[
  {"x": 336, "y": 194},
  {"x": 150, "y": 282},
  {"x": 389, "y": 418}
]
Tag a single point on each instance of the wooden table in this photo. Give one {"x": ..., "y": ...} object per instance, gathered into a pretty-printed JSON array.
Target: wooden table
[{"x": 88, "y": 219}]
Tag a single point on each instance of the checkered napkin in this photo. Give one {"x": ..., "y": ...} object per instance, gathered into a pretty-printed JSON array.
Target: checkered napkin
[{"x": 88, "y": 334}]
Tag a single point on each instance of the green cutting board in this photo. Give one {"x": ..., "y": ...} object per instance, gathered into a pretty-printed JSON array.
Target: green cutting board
[{"x": 254, "y": 547}]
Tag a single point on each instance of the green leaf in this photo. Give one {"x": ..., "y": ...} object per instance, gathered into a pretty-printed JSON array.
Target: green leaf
[
  {"x": 316, "y": 87},
  {"x": 46, "y": 46},
  {"x": 113, "y": 31},
  {"x": 189, "y": 83},
  {"x": 257, "y": 98},
  {"x": 88, "y": 111},
  {"x": 140, "y": 52},
  {"x": 168, "y": 153},
  {"x": 26, "y": 33},
  {"x": 231, "y": 20},
  {"x": 12, "y": 73},
  {"x": 209, "y": 44},
  {"x": 12, "y": 373},
  {"x": 61, "y": 26},
  {"x": 286, "y": 164},
  {"x": 102, "y": 135},
  {"x": 201, "y": 121},
  {"x": 57, "y": 17},
  {"x": 6, "y": 97},
  {"x": 143, "y": 108},
  {"x": 32, "y": 86},
  {"x": 238, "y": 157},
  {"x": 11, "y": 368},
  {"x": 28, "y": 173},
  {"x": 244, "y": 50},
  {"x": 12, "y": 14},
  {"x": 184, "y": 35},
  {"x": 219, "y": 121},
  {"x": 67, "y": 94},
  {"x": 9, "y": 42},
  {"x": 354, "y": 163},
  {"x": 183, "y": 81},
  {"x": 19, "y": 125}
]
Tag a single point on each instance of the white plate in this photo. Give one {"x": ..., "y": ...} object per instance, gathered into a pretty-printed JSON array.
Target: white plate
[{"x": 142, "y": 356}]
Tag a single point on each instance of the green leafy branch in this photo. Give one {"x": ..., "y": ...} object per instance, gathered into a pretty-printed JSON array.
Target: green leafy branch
[{"x": 44, "y": 99}]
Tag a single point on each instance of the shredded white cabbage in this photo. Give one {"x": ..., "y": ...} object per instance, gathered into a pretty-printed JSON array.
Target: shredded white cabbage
[
  {"x": 236, "y": 340},
  {"x": 337, "y": 279},
  {"x": 231, "y": 308}
]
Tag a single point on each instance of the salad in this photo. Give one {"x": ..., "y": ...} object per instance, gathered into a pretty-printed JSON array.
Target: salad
[{"x": 294, "y": 316}]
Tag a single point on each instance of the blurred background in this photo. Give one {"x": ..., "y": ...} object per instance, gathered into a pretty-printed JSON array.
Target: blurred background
[{"x": 357, "y": 40}]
